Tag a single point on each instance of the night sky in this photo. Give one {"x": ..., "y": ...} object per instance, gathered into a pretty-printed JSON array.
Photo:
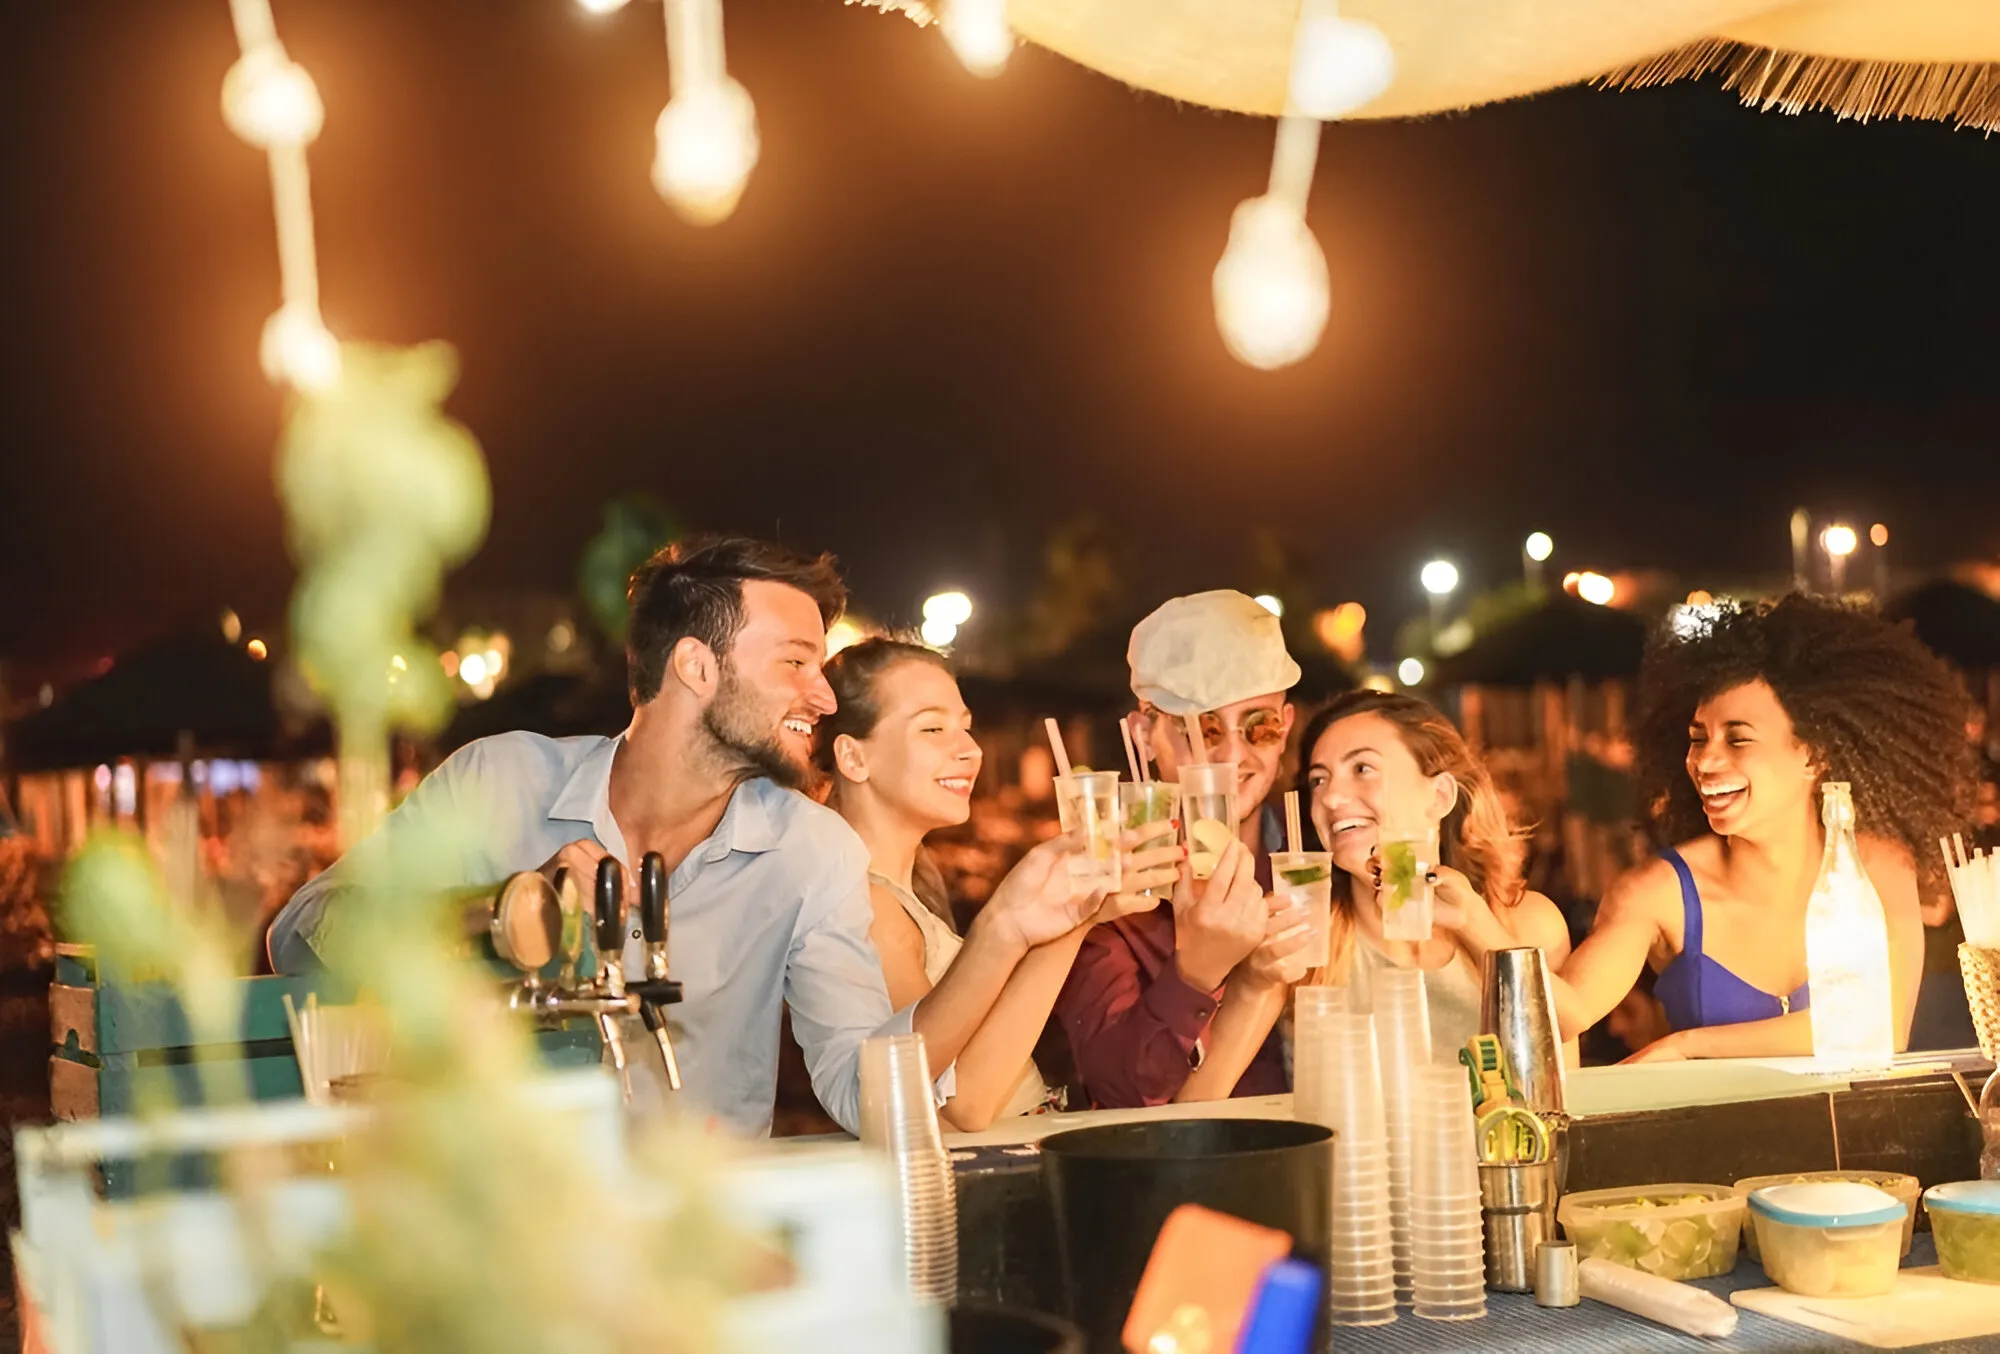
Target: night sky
[{"x": 951, "y": 314}]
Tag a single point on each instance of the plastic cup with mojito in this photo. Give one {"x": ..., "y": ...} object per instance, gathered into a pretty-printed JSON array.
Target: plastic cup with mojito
[
  {"x": 1405, "y": 892},
  {"x": 1087, "y": 802},
  {"x": 1305, "y": 879},
  {"x": 1208, "y": 813},
  {"x": 1144, "y": 805}
]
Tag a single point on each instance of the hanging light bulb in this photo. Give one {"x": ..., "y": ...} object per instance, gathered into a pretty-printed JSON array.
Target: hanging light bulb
[
  {"x": 270, "y": 101},
  {"x": 1271, "y": 287},
  {"x": 706, "y": 147},
  {"x": 979, "y": 35},
  {"x": 1338, "y": 65},
  {"x": 297, "y": 350},
  {"x": 601, "y": 6}
]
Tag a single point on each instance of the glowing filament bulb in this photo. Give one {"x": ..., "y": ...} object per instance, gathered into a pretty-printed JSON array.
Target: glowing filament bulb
[
  {"x": 1271, "y": 287},
  {"x": 270, "y": 101},
  {"x": 978, "y": 34},
  {"x": 706, "y": 147},
  {"x": 297, "y": 350}
]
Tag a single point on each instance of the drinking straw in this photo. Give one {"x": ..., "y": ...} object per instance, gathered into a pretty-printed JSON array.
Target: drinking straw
[
  {"x": 1131, "y": 750},
  {"x": 1195, "y": 741},
  {"x": 1294, "y": 834},
  {"x": 1958, "y": 846},
  {"x": 1145, "y": 755},
  {"x": 1056, "y": 746}
]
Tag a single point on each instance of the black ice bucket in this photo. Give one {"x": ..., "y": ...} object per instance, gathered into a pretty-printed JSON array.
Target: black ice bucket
[
  {"x": 1112, "y": 1188},
  {"x": 987, "y": 1328}
]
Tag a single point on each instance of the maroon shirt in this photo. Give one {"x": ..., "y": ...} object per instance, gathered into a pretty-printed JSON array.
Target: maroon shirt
[{"x": 1133, "y": 1021}]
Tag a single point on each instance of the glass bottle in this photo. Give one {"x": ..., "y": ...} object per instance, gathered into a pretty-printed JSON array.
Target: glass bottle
[{"x": 1847, "y": 950}]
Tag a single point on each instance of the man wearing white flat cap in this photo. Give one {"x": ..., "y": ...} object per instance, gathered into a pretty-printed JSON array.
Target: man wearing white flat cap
[{"x": 1179, "y": 1003}]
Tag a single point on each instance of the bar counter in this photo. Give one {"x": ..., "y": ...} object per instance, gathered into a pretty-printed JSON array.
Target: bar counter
[{"x": 1712, "y": 1122}]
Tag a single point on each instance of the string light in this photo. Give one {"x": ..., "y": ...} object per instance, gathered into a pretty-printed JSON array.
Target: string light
[
  {"x": 1272, "y": 292},
  {"x": 297, "y": 350},
  {"x": 271, "y": 103},
  {"x": 1271, "y": 287},
  {"x": 705, "y": 142},
  {"x": 978, "y": 34}
]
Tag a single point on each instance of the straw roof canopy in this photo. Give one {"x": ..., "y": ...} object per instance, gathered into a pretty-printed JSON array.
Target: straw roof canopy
[{"x": 1857, "y": 58}]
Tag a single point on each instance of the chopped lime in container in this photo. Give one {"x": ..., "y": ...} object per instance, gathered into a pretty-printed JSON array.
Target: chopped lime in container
[
  {"x": 1904, "y": 1187},
  {"x": 1965, "y": 1219},
  {"x": 1676, "y": 1231},
  {"x": 1830, "y": 1238}
]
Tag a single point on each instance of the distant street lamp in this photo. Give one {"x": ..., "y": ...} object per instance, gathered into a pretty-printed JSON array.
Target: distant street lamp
[
  {"x": 1839, "y": 542},
  {"x": 1878, "y": 536},
  {"x": 1410, "y": 672},
  {"x": 1535, "y": 552},
  {"x": 944, "y": 613},
  {"x": 1440, "y": 580}
]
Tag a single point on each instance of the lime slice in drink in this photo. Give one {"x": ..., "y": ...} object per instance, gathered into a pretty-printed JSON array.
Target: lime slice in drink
[
  {"x": 1399, "y": 874},
  {"x": 1305, "y": 874}
]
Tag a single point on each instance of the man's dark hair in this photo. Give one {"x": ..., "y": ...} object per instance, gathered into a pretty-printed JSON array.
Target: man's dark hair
[{"x": 694, "y": 588}]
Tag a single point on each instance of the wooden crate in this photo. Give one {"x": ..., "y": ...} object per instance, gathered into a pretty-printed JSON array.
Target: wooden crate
[{"x": 114, "y": 1044}]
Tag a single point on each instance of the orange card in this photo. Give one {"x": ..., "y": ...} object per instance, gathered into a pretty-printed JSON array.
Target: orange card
[{"x": 1201, "y": 1279}]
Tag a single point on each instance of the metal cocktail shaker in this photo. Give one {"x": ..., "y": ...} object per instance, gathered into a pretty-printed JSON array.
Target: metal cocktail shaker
[{"x": 1517, "y": 1006}]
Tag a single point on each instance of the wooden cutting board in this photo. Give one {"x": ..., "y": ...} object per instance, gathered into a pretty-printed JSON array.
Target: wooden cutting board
[{"x": 1923, "y": 1308}]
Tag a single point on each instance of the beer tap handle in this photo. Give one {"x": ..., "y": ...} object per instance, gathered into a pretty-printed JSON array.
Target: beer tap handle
[
  {"x": 653, "y": 904},
  {"x": 610, "y": 917},
  {"x": 656, "y": 989}
]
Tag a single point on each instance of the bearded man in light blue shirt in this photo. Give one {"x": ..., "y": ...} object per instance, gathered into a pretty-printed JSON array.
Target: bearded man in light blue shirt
[{"x": 769, "y": 890}]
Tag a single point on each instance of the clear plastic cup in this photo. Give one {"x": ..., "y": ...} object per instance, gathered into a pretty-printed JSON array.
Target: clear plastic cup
[
  {"x": 1151, "y": 801},
  {"x": 1305, "y": 879},
  {"x": 1405, "y": 892},
  {"x": 1087, "y": 803},
  {"x": 899, "y": 1118},
  {"x": 1208, "y": 813}
]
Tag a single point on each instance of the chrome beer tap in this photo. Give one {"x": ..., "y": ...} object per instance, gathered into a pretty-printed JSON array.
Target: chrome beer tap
[
  {"x": 658, "y": 991},
  {"x": 610, "y": 985}
]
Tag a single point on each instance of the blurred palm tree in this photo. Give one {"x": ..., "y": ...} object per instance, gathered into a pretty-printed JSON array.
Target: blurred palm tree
[{"x": 635, "y": 526}]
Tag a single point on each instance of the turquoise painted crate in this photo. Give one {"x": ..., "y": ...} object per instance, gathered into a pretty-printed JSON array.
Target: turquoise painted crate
[{"x": 114, "y": 1043}]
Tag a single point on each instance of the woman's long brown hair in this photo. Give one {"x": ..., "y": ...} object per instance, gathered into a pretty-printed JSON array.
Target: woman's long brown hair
[{"x": 1475, "y": 838}]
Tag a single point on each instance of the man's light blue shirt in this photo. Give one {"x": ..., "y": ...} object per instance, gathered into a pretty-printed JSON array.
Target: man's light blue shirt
[{"x": 771, "y": 909}]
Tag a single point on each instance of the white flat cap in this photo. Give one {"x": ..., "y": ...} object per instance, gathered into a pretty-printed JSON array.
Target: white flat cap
[{"x": 1200, "y": 653}]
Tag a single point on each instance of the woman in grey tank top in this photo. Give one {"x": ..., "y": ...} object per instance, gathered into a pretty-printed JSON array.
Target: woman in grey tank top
[{"x": 1372, "y": 758}]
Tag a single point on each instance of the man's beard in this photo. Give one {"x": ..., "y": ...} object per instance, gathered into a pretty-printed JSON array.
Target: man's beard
[{"x": 732, "y": 721}]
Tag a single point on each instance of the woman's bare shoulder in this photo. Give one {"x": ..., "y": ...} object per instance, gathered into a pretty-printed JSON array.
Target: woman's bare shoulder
[{"x": 1539, "y": 922}]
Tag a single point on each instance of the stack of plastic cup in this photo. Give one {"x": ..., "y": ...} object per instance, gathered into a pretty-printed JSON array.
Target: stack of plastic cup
[
  {"x": 1335, "y": 1063},
  {"x": 1447, "y": 1240},
  {"x": 1403, "y": 1036},
  {"x": 899, "y": 1117}
]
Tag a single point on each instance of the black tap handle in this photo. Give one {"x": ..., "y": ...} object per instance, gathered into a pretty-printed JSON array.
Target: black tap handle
[
  {"x": 610, "y": 908},
  {"x": 653, "y": 897}
]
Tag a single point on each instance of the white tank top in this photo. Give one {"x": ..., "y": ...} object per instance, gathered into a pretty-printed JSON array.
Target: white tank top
[
  {"x": 1451, "y": 993},
  {"x": 941, "y": 946}
]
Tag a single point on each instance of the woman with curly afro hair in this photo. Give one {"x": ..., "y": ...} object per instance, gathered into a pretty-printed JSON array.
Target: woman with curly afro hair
[{"x": 1741, "y": 720}]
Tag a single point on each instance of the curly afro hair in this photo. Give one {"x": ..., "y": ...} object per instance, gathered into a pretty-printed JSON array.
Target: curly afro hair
[{"x": 1876, "y": 707}]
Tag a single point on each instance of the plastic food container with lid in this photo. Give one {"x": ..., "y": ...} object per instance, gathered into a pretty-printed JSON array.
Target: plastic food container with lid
[
  {"x": 1676, "y": 1231},
  {"x": 1965, "y": 1219},
  {"x": 1902, "y": 1187},
  {"x": 1829, "y": 1238}
]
